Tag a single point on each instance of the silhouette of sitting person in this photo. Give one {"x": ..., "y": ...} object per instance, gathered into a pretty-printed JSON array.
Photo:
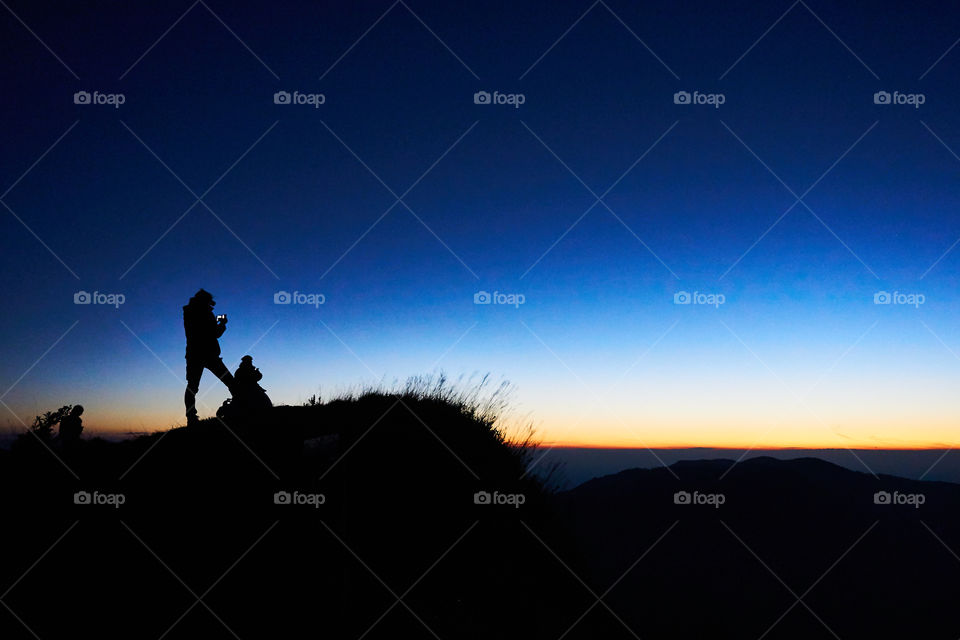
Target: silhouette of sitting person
[
  {"x": 246, "y": 389},
  {"x": 249, "y": 398},
  {"x": 248, "y": 395},
  {"x": 202, "y": 330},
  {"x": 71, "y": 426}
]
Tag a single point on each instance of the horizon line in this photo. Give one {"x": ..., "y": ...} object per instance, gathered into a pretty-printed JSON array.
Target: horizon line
[{"x": 569, "y": 445}]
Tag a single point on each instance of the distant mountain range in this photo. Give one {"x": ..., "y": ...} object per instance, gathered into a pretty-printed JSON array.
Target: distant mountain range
[
  {"x": 770, "y": 548},
  {"x": 583, "y": 463}
]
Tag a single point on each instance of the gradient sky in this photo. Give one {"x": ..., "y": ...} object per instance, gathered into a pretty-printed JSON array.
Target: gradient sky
[{"x": 494, "y": 198}]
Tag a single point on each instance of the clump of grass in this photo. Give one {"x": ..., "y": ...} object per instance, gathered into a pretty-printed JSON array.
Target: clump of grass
[{"x": 478, "y": 398}]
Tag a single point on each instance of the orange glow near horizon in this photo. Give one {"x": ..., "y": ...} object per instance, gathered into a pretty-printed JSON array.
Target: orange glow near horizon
[
  {"x": 724, "y": 416},
  {"x": 754, "y": 434},
  {"x": 564, "y": 433}
]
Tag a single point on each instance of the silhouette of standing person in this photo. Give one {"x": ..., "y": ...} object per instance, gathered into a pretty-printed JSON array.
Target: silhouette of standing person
[
  {"x": 203, "y": 330},
  {"x": 71, "y": 426}
]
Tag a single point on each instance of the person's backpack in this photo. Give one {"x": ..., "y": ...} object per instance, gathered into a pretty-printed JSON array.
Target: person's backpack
[{"x": 226, "y": 410}]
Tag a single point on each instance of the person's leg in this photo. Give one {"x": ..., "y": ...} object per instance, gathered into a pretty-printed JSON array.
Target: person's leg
[
  {"x": 194, "y": 372},
  {"x": 220, "y": 370}
]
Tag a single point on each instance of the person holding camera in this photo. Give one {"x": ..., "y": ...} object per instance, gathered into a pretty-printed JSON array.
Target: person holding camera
[{"x": 203, "y": 331}]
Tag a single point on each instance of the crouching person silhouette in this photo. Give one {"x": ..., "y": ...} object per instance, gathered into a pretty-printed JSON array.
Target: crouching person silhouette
[
  {"x": 249, "y": 398},
  {"x": 246, "y": 388},
  {"x": 203, "y": 330}
]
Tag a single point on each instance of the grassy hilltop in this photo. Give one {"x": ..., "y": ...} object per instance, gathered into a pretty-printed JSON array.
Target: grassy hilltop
[{"x": 335, "y": 510}]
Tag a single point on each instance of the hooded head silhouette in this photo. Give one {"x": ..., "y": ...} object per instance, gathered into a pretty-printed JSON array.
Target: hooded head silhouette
[
  {"x": 246, "y": 373},
  {"x": 203, "y": 297}
]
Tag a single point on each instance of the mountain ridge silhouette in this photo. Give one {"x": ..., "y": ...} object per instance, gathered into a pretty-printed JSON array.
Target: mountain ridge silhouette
[{"x": 785, "y": 526}]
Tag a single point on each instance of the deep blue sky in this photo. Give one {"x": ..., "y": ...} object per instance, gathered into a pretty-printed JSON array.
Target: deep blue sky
[{"x": 798, "y": 308}]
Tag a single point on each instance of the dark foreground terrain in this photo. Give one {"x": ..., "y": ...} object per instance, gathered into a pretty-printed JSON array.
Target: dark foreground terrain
[
  {"x": 335, "y": 520},
  {"x": 360, "y": 518}
]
